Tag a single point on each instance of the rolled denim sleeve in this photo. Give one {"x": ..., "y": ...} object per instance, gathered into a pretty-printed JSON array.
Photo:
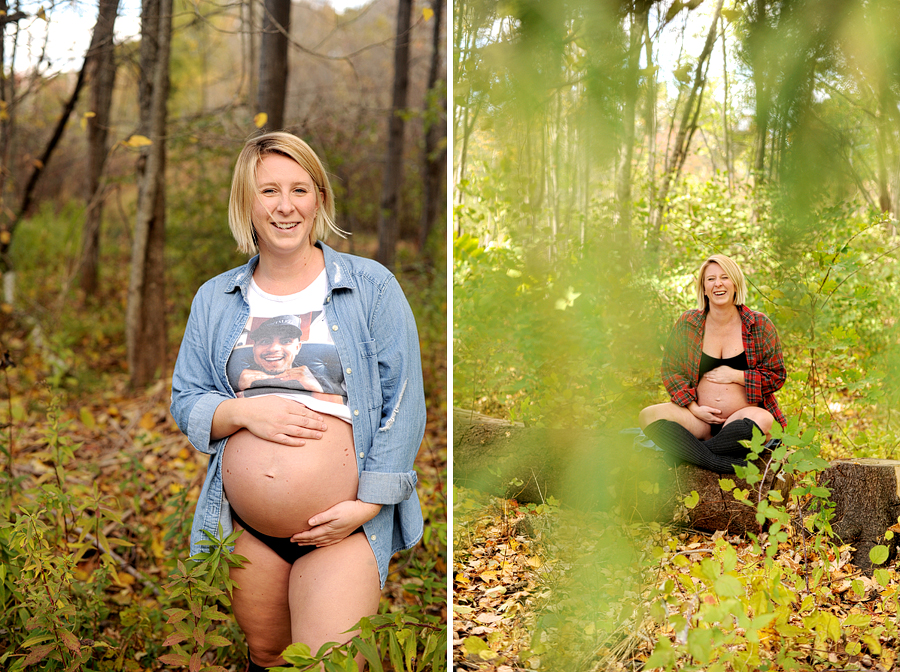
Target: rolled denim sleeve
[
  {"x": 388, "y": 476},
  {"x": 196, "y": 390}
]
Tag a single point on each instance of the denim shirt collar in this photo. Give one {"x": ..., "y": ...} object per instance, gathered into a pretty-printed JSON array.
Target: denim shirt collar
[{"x": 339, "y": 276}]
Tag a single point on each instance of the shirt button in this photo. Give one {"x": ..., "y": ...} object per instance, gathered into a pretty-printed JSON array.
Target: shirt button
[
  {"x": 327, "y": 299},
  {"x": 334, "y": 327},
  {"x": 356, "y": 412},
  {"x": 348, "y": 370},
  {"x": 362, "y": 454},
  {"x": 372, "y": 537}
]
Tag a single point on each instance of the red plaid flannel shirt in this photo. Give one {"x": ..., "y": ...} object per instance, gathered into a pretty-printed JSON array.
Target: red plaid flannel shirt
[{"x": 766, "y": 373}]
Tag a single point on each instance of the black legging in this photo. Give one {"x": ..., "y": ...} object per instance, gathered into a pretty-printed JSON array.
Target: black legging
[{"x": 720, "y": 453}]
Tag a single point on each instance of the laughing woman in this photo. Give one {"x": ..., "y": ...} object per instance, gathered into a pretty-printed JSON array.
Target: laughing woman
[
  {"x": 722, "y": 367},
  {"x": 299, "y": 374}
]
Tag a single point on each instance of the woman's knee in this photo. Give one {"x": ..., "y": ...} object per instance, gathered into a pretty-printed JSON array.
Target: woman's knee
[
  {"x": 653, "y": 413},
  {"x": 646, "y": 416},
  {"x": 763, "y": 419}
]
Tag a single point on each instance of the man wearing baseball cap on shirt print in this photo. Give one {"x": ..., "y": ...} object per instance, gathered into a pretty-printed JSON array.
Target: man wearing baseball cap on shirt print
[{"x": 276, "y": 342}]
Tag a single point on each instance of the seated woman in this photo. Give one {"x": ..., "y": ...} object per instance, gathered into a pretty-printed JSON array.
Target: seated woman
[{"x": 721, "y": 367}]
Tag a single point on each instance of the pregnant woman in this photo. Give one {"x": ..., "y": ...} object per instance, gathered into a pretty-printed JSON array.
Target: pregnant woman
[
  {"x": 721, "y": 367},
  {"x": 299, "y": 374}
]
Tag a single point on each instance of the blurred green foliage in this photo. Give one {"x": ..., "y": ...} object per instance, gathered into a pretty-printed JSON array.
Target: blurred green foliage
[{"x": 579, "y": 343}]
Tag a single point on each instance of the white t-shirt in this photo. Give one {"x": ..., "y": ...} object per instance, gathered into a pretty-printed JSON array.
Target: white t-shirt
[{"x": 286, "y": 349}]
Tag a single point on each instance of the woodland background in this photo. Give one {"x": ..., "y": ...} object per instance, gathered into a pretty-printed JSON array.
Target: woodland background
[
  {"x": 601, "y": 151},
  {"x": 111, "y": 216}
]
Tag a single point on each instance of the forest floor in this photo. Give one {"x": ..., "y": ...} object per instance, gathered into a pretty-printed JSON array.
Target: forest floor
[
  {"x": 550, "y": 588},
  {"x": 116, "y": 458}
]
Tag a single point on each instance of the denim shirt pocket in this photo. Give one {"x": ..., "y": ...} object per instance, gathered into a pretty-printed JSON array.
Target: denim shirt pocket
[{"x": 368, "y": 352}]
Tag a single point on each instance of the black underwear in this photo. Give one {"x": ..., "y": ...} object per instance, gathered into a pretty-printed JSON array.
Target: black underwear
[
  {"x": 286, "y": 549},
  {"x": 708, "y": 363}
]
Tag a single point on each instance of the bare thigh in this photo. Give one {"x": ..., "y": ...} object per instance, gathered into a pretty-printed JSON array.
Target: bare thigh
[
  {"x": 260, "y": 601},
  {"x": 331, "y": 589},
  {"x": 675, "y": 413}
]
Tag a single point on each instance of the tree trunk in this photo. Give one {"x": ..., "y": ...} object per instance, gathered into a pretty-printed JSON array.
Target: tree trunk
[
  {"x": 102, "y": 77},
  {"x": 866, "y": 494},
  {"x": 388, "y": 216},
  {"x": 758, "y": 45},
  {"x": 273, "y": 62},
  {"x": 729, "y": 169},
  {"x": 145, "y": 319},
  {"x": 435, "y": 164},
  {"x": 629, "y": 108},
  {"x": 881, "y": 134},
  {"x": 650, "y": 125},
  {"x": 689, "y": 118}
]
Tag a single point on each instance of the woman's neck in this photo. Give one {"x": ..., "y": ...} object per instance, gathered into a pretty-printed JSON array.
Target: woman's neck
[
  {"x": 281, "y": 275},
  {"x": 723, "y": 315}
]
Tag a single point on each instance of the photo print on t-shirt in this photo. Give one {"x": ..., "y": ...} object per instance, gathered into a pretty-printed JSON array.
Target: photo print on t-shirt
[{"x": 287, "y": 354}]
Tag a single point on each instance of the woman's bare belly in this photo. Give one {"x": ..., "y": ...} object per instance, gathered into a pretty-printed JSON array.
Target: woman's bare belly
[
  {"x": 276, "y": 489},
  {"x": 727, "y": 397}
]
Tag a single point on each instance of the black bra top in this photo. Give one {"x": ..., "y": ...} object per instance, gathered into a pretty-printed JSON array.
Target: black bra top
[{"x": 708, "y": 363}]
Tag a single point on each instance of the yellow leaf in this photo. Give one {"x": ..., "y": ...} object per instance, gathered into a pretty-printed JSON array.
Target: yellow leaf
[
  {"x": 124, "y": 579},
  {"x": 5, "y": 237},
  {"x": 136, "y": 141},
  {"x": 427, "y": 13},
  {"x": 84, "y": 119},
  {"x": 41, "y": 14},
  {"x": 260, "y": 119},
  {"x": 87, "y": 418},
  {"x": 147, "y": 422},
  {"x": 534, "y": 561}
]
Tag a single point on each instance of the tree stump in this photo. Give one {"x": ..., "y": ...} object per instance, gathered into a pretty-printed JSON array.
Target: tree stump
[
  {"x": 595, "y": 470},
  {"x": 866, "y": 494}
]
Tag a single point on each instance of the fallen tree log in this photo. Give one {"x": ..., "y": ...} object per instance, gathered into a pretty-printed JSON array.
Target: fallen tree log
[
  {"x": 596, "y": 470},
  {"x": 601, "y": 470}
]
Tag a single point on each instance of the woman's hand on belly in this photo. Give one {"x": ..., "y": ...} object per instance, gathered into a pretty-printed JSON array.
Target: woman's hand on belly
[
  {"x": 336, "y": 523},
  {"x": 269, "y": 417},
  {"x": 726, "y": 397},
  {"x": 708, "y": 414},
  {"x": 724, "y": 375}
]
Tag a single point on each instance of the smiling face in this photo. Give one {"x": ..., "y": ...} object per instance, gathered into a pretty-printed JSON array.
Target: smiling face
[
  {"x": 274, "y": 353},
  {"x": 284, "y": 211},
  {"x": 718, "y": 286}
]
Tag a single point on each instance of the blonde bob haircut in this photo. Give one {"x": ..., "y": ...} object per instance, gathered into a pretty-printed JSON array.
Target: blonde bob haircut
[
  {"x": 734, "y": 272},
  {"x": 244, "y": 187}
]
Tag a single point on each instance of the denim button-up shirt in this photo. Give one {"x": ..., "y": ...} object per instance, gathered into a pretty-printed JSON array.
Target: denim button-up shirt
[{"x": 375, "y": 334}]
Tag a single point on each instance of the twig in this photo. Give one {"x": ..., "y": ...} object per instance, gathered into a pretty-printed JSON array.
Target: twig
[{"x": 123, "y": 563}]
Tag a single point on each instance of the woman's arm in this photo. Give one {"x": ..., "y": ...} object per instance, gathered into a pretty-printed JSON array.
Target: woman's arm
[
  {"x": 769, "y": 374},
  {"x": 388, "y": 476},
  {"x": 676, "y": 364},
  {"x": 269, "y": 417}
]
